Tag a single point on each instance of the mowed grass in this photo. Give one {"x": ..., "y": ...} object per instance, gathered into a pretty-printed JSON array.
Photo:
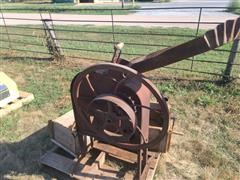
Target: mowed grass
[
  {"x": 206, "y": 111},
  {"x": 235, "y": 6},
  {"x": 97, "y": 42},
  {"x": 66, "y": 8}
]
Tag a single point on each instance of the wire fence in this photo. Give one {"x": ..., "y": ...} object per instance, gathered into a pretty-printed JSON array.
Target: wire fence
[{"x": 143, "y": 31}]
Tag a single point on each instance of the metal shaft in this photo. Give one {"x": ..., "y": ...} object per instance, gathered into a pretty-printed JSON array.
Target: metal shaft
[{"x": 223, "y": 33}]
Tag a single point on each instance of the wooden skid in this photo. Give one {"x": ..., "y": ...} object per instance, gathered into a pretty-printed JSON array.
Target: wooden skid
[
  {"x": 64, "y": 135},
  {"x": 90, "y": 167},
  {"x": 24, "y": 98}
]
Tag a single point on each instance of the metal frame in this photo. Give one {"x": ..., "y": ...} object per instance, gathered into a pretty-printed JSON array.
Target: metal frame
[{"x": 114, "y": 32}]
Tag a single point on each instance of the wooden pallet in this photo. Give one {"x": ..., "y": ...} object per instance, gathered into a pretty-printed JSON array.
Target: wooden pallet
[
  {"x": 63, "y": 134},
  {"x": 92, "y": 166},
  {"x": 24, "y": 98}
]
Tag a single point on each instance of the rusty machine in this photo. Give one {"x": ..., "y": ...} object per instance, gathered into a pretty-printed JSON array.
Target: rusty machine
[{"x": 114, "y": 103}]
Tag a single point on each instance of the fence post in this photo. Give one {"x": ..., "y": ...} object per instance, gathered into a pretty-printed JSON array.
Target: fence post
[
  {"x": 123, "y": 4},
  {"x": 113, "y": 33},
  {"x": 6, "y": 29},
  {"x": 52, "y": 42},
  {"x": 56, "y": 42},
  {"x": 197, "y": 31},
  {"x": 231, "y": 59}
]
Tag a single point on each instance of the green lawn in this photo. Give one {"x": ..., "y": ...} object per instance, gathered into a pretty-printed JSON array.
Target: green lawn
[
  {"x": 207, "y": 114},
  {"x": 66, "y": 8},
  {"x": 235, "y": 4},
  {"x": 90, "y": 42},
  {"x": 207, "y": 111}
]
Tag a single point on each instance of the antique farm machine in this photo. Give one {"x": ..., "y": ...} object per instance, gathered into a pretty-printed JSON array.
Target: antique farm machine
[{"x": 115, "y": 104}]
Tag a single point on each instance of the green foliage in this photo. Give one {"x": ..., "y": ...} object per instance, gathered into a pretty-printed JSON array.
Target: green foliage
[
  {"x": 235, "y": 4},
  {"x": 204, "y": 101},
  {"x": 65, "y": 8},
  {"x": 8, "y": 127},
  {"x": 210, "y": 88},
  {"x": 167, "y": 88},
  {"x": 84, "y": 47}
]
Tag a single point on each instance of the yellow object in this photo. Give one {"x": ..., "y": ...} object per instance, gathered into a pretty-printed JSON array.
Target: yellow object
[{"x": 8, "y": 90}]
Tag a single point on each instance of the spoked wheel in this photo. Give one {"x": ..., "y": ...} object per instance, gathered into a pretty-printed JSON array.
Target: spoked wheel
[
  {"x": 111, "y": 117},
  {"x": 106, "y": 113}
]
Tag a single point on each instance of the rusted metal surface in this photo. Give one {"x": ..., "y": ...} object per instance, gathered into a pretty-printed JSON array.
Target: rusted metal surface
[
  {"x": 112, "y": 101},
  {"x": 129, "y": 99},
  {"x": 53, "y": 44},
  {"x": 223, "y": 33}
]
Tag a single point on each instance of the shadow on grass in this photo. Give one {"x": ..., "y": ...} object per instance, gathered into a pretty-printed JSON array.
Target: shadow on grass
[
  {"x": 22, "y": 158},
  {"x": 218, "y": 81},
  {"x": 27, "y": 58},
  {"x": 39, "y": 2}
]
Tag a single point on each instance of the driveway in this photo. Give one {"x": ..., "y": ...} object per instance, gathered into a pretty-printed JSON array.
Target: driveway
[
  {"x": 188, "y": 3},
  {"x": 144, "y": 18},
  {"x": 123, "y": 20},
  {"x": 212, "y": 8}
]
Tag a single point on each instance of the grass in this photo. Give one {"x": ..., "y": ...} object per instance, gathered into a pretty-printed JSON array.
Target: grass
[
  {"x": 207, "y": 111},
  {"x": 85, "y": 49},
  {"x": 235, "y": 4},
  {"x": 66, "y": 8}
]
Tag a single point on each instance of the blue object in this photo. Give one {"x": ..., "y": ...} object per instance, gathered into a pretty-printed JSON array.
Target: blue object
[{"x": 4, "y": 92}]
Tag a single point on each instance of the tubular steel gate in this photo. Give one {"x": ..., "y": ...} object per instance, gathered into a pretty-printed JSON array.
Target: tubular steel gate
[{"x": 54, "y": 35}]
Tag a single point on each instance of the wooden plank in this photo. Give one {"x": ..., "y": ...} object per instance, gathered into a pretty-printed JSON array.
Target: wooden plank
[
  {"x": 116, "y": 152},
  {"x": 67, "y": 120},
  {"x": 164, "y": 145},
  {"x": 100, "y": 159},
  {"x": 95, "y": 170},
  {"x": 63, "y": 133},
  {"x": 161, "y": 146},
  {"x": 24, "y": 98},
  {"x": 55, "y": 174},
  {"x": 96, "y": 165},
  {"x": 153, "y": 166},
  {"x": 58, "y": 162},
  {"x": 64, "y": 148},
  {"x": 65, "y": 137}
]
